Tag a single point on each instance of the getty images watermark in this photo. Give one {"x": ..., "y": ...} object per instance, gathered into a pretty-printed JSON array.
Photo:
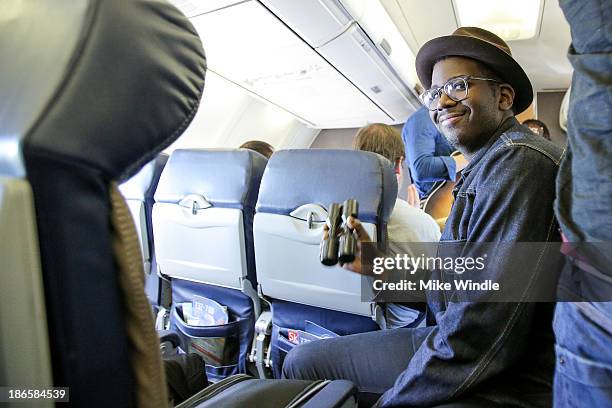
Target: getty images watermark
[
  {"x": 404, "y": 263},
  {"x": 464, "y": 271}
]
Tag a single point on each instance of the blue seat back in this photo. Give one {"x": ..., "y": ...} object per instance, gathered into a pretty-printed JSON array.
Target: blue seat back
[
  {"x": 203, "y": 216},
  {"x": 203, "y": 226},
  {"x": 138, "y": 192},
  {"x": 297, "y": 188}
]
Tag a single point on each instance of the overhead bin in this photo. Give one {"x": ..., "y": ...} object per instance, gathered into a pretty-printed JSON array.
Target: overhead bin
[
  {"x": 306, "y": 57},
  {"x": 354, "y": 55},
  {"x": 328, "y": 27}
]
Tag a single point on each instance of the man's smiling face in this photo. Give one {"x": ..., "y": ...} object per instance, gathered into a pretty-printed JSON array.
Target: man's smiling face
[{"x": 470, "y": 123}]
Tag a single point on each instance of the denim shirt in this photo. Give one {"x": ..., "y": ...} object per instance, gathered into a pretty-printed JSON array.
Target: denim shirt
[{"x": 496, "y": 352}]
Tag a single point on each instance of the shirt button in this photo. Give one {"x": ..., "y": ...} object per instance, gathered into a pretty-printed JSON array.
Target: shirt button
[{"x": 561, "y": 360}]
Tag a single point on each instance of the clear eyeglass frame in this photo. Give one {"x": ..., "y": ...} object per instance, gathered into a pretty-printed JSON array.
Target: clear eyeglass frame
[{"x": 457, "y": 89}]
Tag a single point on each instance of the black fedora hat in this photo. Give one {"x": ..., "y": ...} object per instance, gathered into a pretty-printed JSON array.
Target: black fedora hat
[{"x": 482, "y": 46}]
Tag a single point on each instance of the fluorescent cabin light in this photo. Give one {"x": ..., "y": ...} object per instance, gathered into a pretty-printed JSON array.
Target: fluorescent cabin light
[{"x": 510, "y": 19}]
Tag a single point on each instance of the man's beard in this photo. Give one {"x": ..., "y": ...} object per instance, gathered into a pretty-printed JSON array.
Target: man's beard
[{"x": 451, "y": 137}]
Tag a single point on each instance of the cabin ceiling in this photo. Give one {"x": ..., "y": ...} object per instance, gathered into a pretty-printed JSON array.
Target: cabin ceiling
[
  {"x": 543, "y": 58},
  {"x": 267, "y": 59},
  {"x": 279, "y": 64}
]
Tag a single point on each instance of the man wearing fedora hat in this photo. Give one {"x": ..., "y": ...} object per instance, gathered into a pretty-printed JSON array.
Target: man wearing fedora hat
[{"x": 471, "y": 353}]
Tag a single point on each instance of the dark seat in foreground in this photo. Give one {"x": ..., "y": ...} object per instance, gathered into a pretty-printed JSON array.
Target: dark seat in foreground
[{"x": 91, "y": 92}]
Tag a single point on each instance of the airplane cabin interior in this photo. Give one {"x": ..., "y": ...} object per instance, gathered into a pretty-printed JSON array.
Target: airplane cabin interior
[{"x": 152, "y": 257}]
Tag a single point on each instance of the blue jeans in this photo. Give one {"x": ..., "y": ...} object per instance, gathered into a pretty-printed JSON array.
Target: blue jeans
[
  {"x": 583, "y": 374},
  {"x": 372, "y": 361}
]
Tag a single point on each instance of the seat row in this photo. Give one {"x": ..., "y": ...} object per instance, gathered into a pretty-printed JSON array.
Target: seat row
[{"x": 231, "y": 226}]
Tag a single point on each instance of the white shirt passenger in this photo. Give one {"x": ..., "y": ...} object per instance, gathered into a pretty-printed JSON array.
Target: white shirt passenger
[
  {"x": 407, "y": 224},
  {"x": 411, "y": 224}
]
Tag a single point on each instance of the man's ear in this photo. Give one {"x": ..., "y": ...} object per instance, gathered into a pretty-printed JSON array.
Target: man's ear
[
  {"x": 398, "y": 165},
  {"x": 506, "y": 97}
]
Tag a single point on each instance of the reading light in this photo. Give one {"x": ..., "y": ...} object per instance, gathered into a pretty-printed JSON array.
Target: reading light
[{"x": 510, "y": 19}]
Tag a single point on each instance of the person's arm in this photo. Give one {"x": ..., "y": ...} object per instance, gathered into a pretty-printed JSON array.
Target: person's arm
[
  {"x": 413, "y": 196},
  {"x": 420, "y": 142},
  {"x": 474, "y": 341}
]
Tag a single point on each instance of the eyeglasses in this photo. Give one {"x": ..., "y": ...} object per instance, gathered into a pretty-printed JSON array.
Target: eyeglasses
[{"x": 455, "y": 88}]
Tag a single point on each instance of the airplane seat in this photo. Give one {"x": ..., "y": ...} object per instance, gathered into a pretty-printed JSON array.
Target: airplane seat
[
  {"x": 296, "y": 191},
  {"x": 203, "y": 226},
  {"x": 87, "y": 99},
  {"x": 138, "y": 192},
  {"x": 24, "y": 347}
]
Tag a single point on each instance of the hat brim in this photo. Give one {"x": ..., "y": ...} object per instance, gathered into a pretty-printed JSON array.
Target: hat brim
[{"x": 463, "y": 46}]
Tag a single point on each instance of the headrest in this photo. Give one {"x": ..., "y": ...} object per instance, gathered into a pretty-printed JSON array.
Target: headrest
[
  {"x": 322, "y": 176},
  {"x": 106, "y": 84},
  {"x": 142, "y": 185},
  {"x": 225, "y": 178}
]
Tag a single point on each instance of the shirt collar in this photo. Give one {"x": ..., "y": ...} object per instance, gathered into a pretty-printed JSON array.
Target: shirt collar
[{"x": 505, "y": 125}]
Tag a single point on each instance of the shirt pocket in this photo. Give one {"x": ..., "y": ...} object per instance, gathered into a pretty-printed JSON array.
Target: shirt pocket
[{"x": 458, "y": 225}]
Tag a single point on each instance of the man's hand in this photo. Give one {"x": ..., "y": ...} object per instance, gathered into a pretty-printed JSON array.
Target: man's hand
[{"x": 362, "y": 236}]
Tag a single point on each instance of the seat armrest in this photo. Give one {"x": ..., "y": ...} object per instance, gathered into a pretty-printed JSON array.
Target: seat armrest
[{"x": 169, "y": 336}]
